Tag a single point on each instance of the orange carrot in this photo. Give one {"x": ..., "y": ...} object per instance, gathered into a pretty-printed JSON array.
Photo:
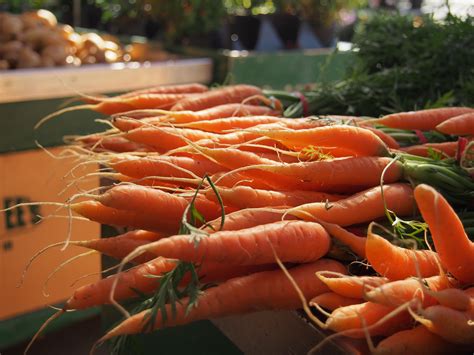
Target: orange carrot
[
  {"x": 364, "y": 206},
  {"x": 339, "y": 175},
  {"x": 140, "y": 278},
  {"x": 164, "y": 139},
  {"x": 162, "y": 89},
  {"x": 422, "y": 150},
  {"x": 462, "y": 125},
  {"x": 259, "y": 291},
  {"x": 455, "y": 250},
  {"x": 418, "y": 340},
  {"x": 120, "y": 246},
  {"x": 398, "y": 292},
  {"x": 358, "y": 316},
  {"x": 221, "y": 96},
  {"x": 247, "y": 197},
  {"x": 248, "y": 218},
  {"x": 169, "y": 89},
  {"x": 332, "y": 300},
  {"x": 424, "y": 120},
  {"x": 350, "y": 286},
  {"x": 175, "y": 166},
  {"x": 397, "y": 263},
  {"x": 150, "y": 202},
  {"x": 452, "y": 325},
  {"x": 229, "y": 123},
  {"x": 358, "y": 141},
  {"x": 220, "y": 111},
  {"x": 294, "y": 241},
  {"x": 112, "y": 105},
  {"x": 97, "y": 212}
]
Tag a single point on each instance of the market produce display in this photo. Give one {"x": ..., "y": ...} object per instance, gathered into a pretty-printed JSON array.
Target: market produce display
[
  {"x": 35, "y": 39},
  {"x": 235, "y": 210}
]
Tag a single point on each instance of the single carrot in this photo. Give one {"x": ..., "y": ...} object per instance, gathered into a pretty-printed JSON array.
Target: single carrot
[
  {"x": 215, "y": 112},
  {"x": 418, "y": 340},
  {"x": 350, "y": 286},
  {"x": 353, "y": 319},
  {"x": 452, "y": 325},
  {"x": 423, "y": 150},
  {"x": 164, "y": 139},
  {"x": 97, "y": 212},
  {"x": 424, "y": 120},
  {"x": 155, "y": 203},
  {"x": 397, "y": 263},
  {"x": 177, "y": 166},
  {"x": 247, "y": 218},
  {"x": 221, "y": 125},
  {"x": 462, "y": 125},
  {"x": 356, "y": 140},
  {"x": 259, "y": 291},
  {"x": 398, "y": 292},
  {"x": 339, "y": 175},
  {"x": 294, "y": 241},
  {"x": 248, "y": 197},
  {"x": 220, "y": 96},
  {"x": 112, "y": 105},
  {"x": 454, "y": 248},
  {"x": 120, "y": 246},
  {"x": 145, "y": 279},
  {"x": 192, "y": 88},
  {"x": 332, "y": 300},
  {"x": 361, "y": 207}
]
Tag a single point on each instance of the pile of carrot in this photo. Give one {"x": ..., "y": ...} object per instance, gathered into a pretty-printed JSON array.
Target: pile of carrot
[{"x": 217, "y": 189}]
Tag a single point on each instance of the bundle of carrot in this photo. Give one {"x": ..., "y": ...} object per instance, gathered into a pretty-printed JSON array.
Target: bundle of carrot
[{"x": 223, "y": 196}]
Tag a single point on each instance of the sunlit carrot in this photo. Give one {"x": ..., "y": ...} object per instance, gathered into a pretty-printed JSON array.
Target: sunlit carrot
[
  {"x": 462, "y": 125},
  {"x": 454, "y": 248},
  {"x": 359, "y": 141},
  {"x": 220, "y": 96},
  {"x": 364, "y": 206},
  {"x": 259, "y": 291},
  {"x": 248, "y": 197},
  {"x": 424, "y": 120},
  {"x": 350, "y": 286},
  {"x": 398, "y": 263},
  {"x": 293, "y": 241}
]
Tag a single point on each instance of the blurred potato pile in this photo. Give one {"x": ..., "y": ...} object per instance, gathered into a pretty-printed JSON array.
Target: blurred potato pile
[{"x": 35, "y": 39}]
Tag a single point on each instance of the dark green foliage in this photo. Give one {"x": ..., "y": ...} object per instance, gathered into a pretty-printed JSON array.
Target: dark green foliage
[{"x": 403, "y": 63}]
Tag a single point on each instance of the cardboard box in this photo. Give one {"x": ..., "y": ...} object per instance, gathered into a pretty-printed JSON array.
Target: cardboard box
[{"x": 33, "y": 176}]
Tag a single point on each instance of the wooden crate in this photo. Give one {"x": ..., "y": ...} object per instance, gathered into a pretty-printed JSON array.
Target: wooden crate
[{"x": 33, "y": 176}]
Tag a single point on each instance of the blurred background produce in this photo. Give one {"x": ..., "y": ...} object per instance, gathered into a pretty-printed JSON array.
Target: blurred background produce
[{"x": 36, "y": 39}]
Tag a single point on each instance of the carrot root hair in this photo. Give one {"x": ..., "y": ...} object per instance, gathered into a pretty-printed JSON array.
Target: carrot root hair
[{"x": 43, "y": 327}]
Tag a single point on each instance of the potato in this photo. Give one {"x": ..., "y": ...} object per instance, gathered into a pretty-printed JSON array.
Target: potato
[
  {"x": 57, "y": 52},
  {"x": 12, "y": 46},
  {"x": 41, "y": 37},
  {"x": 28, "y": 58},
  {"x": 10, "y": 25},
  {"x": 47, "y": 61},
  {"x": 92, "y": 40},
  {"x": 39, "y": 18}
]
